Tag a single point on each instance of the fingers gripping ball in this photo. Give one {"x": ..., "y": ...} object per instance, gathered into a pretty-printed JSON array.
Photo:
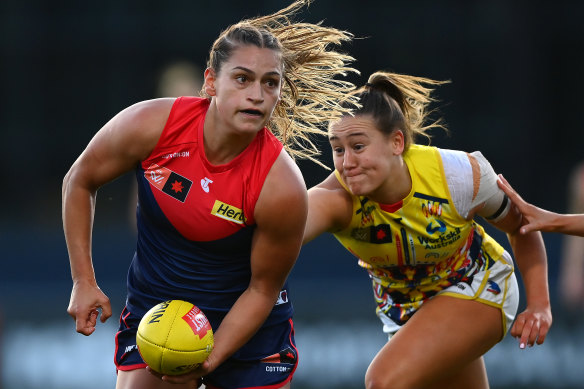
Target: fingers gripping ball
[{"x": 174, "y": 337}]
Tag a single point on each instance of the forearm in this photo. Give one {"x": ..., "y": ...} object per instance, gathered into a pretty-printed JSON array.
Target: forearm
[
  {"x": 531, "y": 258},
  {"x": 78, "y": 208},
  {"x": 243, "y": 320},
  {"x": 572, "y": 224}
]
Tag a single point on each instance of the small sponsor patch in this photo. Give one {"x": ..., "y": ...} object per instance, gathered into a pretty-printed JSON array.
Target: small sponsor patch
[
  {"x": 287, "y": 355},
  {"x": 228, "y": 212},
  {"x": 169, "y": 182}
]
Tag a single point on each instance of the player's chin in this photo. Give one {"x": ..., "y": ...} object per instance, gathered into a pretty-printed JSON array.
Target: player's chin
[
  {"x": 356, "y": 187},
  {"x": 252, "y": 126},
  {"x": 252, "y": 121}
]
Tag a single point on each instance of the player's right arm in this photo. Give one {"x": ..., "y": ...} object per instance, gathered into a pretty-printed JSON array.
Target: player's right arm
[
  {"x": 330, "y": 208},
  {"x": 116, "y": 148},
  {"x": 540, "y": 219}
]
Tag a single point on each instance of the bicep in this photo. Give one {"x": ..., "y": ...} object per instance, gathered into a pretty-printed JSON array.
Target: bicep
[{"x": 280, "y": 215}]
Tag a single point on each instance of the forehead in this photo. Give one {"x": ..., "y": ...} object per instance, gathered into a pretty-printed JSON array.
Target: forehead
[
  {"x": 256, "y": 59},
  {"x": 353, "y": 126}
]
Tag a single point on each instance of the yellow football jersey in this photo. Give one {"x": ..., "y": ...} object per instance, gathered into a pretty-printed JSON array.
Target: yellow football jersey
[{"x": 419, "y": 246}]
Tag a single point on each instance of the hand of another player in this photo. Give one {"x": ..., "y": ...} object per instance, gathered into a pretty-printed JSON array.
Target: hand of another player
[
  {"x": 532, "y": 325},
  {"x": 537, "y": 218},
  {"x": 193, "y": 376},
  {"x": 86, "y": 300}
]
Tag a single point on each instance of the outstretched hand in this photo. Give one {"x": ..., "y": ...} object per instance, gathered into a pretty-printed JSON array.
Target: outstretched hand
[{"x": 537, "y": 219}]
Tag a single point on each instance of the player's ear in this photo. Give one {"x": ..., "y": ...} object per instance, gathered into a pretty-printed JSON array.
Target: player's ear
[
  {"x": 209, "y": 84},
  {"x": 397, "y": 141}
]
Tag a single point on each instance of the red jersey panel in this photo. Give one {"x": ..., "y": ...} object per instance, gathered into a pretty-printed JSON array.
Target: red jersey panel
[{"x": 205, "y": 202}]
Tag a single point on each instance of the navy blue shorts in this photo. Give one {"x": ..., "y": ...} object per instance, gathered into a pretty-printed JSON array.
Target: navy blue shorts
[{"x": 267, "y": 361}]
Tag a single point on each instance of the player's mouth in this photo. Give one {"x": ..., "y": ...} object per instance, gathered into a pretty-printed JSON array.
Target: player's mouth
[
  {"x": 252, "y": 112},
  {"x": 352, "y": 174}
]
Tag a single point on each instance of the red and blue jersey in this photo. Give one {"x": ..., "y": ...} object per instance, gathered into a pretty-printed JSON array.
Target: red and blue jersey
[{"x": 196, "y": 220}]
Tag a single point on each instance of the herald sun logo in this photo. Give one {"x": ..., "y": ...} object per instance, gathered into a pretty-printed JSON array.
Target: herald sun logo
[
  {"x": 196, "y": 319},
  {"x": 228, "y": 212}
]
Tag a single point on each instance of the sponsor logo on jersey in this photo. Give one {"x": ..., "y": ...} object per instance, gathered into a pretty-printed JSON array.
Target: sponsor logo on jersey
[
  {"x": 205, "y": 184},
  {"x": 169, "y": 182},
  {"x": 441, "y": 241},
  {"x": 493, "y": 287},
  {"x": 178, "y": 154},
  {"x": 228, "y": 212},
  {"x": 282, "y": 298},
  {"x": 287, "y": 356},
  {"x": 130, "y": 348},
  {"x": 431, "y": 228}
]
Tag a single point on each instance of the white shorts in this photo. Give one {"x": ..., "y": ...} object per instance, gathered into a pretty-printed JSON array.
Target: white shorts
[{"x": 496, "y": 287}]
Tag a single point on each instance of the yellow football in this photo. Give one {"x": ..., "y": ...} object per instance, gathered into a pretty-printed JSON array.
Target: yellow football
[{"x": 174, "y": 337}]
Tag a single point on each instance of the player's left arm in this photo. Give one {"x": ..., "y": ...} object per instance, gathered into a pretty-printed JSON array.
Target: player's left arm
[
  {"x": 280, "y": 215},
  {"x": 532, "y": 325}
]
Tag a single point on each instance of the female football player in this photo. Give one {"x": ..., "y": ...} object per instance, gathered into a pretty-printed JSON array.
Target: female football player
[
  {"x": 446, "y": 292},
  {"x": 222, "y": 206}
]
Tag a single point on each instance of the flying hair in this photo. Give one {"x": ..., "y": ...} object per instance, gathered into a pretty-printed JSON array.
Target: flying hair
[
  {"x": 399, "y": 101},
  {"x": 311, "y": 92}
]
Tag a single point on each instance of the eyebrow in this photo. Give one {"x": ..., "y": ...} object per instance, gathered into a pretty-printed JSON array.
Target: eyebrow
[
  {"x": 355, "y": 134},
  {"x": 272, "y": 73}
]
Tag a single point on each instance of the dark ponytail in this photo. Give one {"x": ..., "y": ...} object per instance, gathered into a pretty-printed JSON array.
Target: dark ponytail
[{"x": 398, "y": 102}]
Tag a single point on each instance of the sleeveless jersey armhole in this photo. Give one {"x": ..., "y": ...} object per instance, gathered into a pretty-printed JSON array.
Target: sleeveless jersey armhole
[
  {"x": 268, "y": 163},
  {"x": 169, "y": 120}
]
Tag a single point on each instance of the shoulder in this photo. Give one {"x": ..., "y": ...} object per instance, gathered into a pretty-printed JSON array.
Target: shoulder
[
  {"x": 332, "y": 194},
  {"x": 283, "y": 189},
  {"x": 143, "y": 118},
  {"x": 139, "y": 126},
  {"x": 331, "y": 202},
  {"x": 454, "y": 159},
  {"x": 145, "y": 112}
]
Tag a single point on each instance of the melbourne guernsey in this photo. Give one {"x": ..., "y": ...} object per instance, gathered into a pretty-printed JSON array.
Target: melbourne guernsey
[{"x": 195, "y": 220}]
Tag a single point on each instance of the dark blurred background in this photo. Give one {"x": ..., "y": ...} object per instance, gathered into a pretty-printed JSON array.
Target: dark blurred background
[{"x": 516, "y": 72}]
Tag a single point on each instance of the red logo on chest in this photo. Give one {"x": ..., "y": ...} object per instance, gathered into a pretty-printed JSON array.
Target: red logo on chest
[{"x": 169, "y": 182}]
